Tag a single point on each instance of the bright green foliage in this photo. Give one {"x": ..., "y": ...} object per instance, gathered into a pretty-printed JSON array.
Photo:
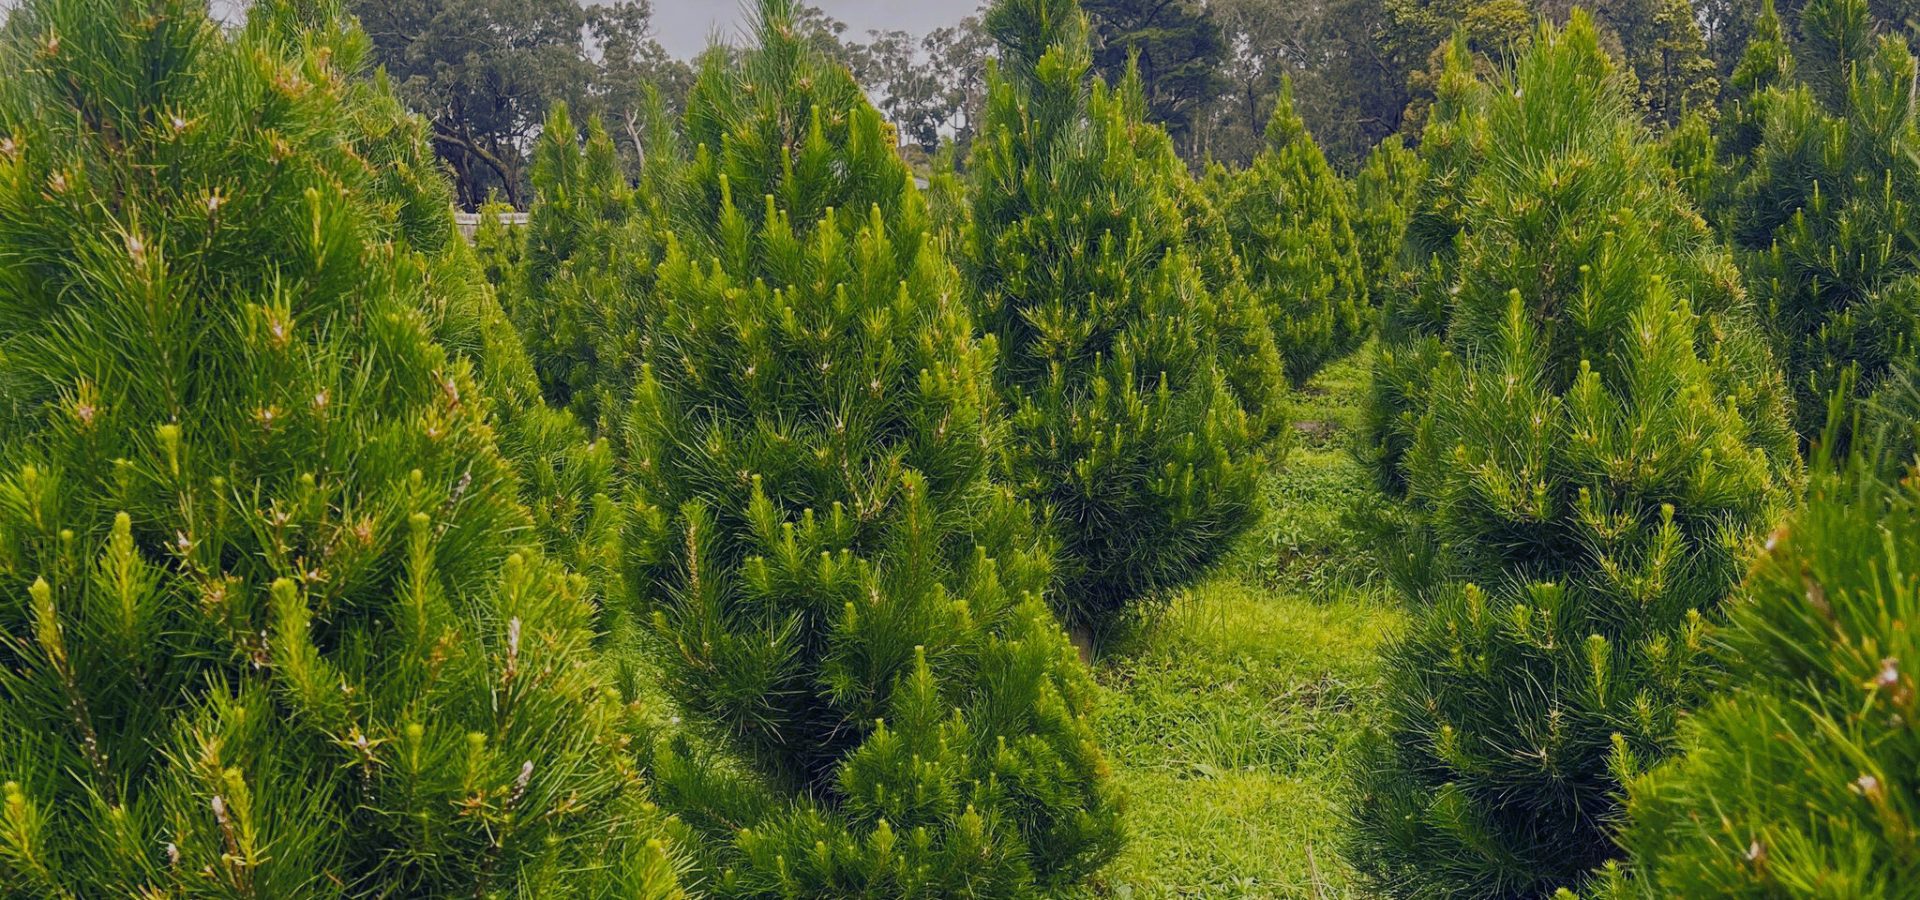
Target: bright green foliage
[
  {"x": 852, "y": 612},
  {"x": 1819, "y": 201},
  {"x": 273, "y": 620},
  {"x": 1141, "y": 400},
  {"x": 1383, "y": 198},
  {"x": 1288, "y": 218},
  {"x": 579, "y": 293},
  {"x": 1800, "y": 780},
  {"x": 1588, "y": 468},
  {"x": 498, "y": 246}
]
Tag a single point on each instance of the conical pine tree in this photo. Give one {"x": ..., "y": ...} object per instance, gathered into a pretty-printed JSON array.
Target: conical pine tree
[
  {"x": 581, "y": 292},
  {"x": 1414, "y": 308},
  {"x": 1383, "y": 198},
  {"x": 1825, "y": 172},
  {"x": 1590, "y": 467},
  {"x": 854, "y": 613},
  {"x": 273, "y": 621},
  {"x": 1141, "y": 400},
  {"x": 1288, "y": 217},
  {"x": 1799, "y": 780}
]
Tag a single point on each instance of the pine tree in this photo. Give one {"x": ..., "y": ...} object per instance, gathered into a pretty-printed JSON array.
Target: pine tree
[
  {"x": 1142, "y": 395},
  {"x": 1589, "y": 466},
  {"x": 1288, "y": 217},
  {"x": 853, "y": 612},
  {"x": 1414, "y": 308},
  {"x": 273, "y": 619},
  {"x": 1823, "y": 171},
  {"x": 1669, "y": 58},
  {"x": 1383, "y": 198},
  {"x": 1799, "y": 780},
  {"x": 582, "y": 291}
]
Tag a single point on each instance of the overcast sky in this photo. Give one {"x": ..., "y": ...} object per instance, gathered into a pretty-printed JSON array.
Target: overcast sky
[{"x": 684, "y": 26}]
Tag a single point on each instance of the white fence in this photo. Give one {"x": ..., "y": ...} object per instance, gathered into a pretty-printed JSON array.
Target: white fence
[{"x": 469, "y": 222}]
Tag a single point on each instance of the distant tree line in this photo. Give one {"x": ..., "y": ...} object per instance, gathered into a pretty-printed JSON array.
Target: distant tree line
[{"x": 486, "y": 73}]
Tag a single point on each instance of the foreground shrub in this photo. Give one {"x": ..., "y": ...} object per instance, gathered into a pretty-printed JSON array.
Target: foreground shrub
[
  {"x": 1287, "y": 216},
  {"x": 1141, "y": 400},
  {"x": 883, "y": 705},
  {"x": 276, "y": 620},
  {"x": 1588, "y": 477},
  {"x": 1798, "y": 781}
]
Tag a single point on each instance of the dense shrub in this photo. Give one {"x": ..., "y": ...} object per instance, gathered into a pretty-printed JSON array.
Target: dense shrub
[
  {"x": 1141, "y": 399},
  {"x": 276, "y": 620},
  {"x": 1591, "y": 458},
  {"x": 1799, "y": 780},
  {"x": 1288, "y": 217},
  {"x": 853, "y": 613}
]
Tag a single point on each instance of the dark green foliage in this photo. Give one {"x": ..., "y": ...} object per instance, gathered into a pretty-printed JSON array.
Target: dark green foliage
[
  {"x": 852, "y": 612},
  {"x": 1287, "y": 216},
  {"x": 274, "y": 620},
  {"x": 1595, "y": 448},
  {"x": 1799, "y": 781},
  {"x": 1141, "y": 394},
  {"x": 1818, "y": 182},
  {"x": 1415, "y": 303},
  {"x": 1383, "y": 198}
]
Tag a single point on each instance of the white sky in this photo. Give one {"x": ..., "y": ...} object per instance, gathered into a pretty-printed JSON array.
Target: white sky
[{"x": 684, "y": 26}]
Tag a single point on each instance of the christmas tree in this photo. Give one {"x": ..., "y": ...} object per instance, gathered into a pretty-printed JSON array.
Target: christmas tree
[
  {"x": 276, "y": 621},
  {"x": 1799, "y": 779},
  {"x": 881, "y": 703},
  {"x": 1823, "y": 173},
  {"x": 581, "y": 294},
  {"x": 1415, "y": 303},
  {"x": 1589, "y": 467},
  {"x": 1142, "y": 381},
  {"x": 1288, "y": 217},
  {"x": 1383, "y": 197}
]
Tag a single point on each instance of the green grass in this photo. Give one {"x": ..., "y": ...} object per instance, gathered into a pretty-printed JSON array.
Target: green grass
[{"x": 1229, "y": 716}]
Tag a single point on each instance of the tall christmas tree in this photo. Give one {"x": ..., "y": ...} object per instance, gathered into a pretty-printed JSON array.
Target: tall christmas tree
[
  {"x": 1141, "y": 399},
  {"x": 273, "y": 619},
  {"x": 1799, "y": 780},
  {"x": 1589, "y": 467},
  {"x": 1415, "y": 305},
  {"x": 883, "y": 705},
  {"x": 1288, "y": 217}
]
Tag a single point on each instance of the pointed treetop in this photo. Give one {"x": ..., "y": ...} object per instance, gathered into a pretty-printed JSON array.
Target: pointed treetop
[
  {"x": 1285, "y": 125},
  {"x": 1768, "y": 60},
  {"x": 1028, "y": 30}
]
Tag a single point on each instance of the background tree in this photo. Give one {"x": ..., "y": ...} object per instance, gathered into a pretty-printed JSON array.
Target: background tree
[
  {"x": 1592, "y": 462},
  {"x": 1383, "y": 199},
  {"x": 277, "y": 620},
  {"x": 853, "y": 612},
  {"x": 1176, "y": 46},
  {"x": 1817, "y": 175},
  {"x": 1141, "y": 400},
  {"x": 1288, "y": 218},
  {"x": 485, "y": 74}
]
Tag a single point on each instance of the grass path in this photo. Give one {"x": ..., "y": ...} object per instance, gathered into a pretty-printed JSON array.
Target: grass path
[{"x": 1227, "y": 718}]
